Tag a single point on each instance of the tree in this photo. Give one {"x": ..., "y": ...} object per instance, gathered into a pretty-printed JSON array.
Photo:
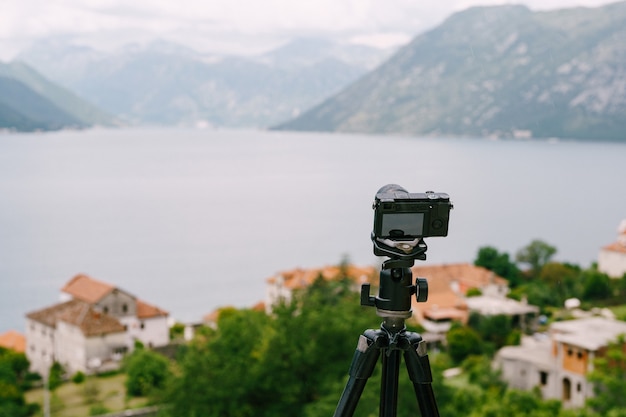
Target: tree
[
  {"x": 147, "y": 372},
  {"x": 216, "y": 372},
  {"x": 493, "y": 330},
  {"x": 13, "y": 370},
  {"x": 55, "y": 376},
  {"x": 536, "y": 255},
  {"x": 489, "y": 257},
  {"x": 597, "y": 286},
  {"x": 609, "y": 379},
  {"x": 462, "y": 342},
  {"x": 562, "y": 279},
  {"x": 292, "y": 363}
]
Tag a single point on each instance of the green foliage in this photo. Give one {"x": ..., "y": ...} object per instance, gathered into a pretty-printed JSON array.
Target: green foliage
[
  {"x": 473, "y": 292},
  {"x": 147, "y": 372},
  {"x": 55, "y": 376},
  {"x": 293, "y": 363},
  {"x": 609, "y": 379},
  {"x": 98, "y": 409},
  {"x": 13, "y": 374},
  {"x": 78, "y": 378},
  {"x": 563, "y": 280},
  {"x": 489, "y": 257},
  {"x": 535, "y": 255},
  {"x": 597, "y": 285},
  {"x": 496, "y": 331},
  {"x": 177, "y": 331},
  {"x": 537, "y": 293},
  {"x": 463, "y": 341}
]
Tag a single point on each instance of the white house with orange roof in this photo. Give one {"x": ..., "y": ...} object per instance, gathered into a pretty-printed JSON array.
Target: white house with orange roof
[
  {"x": 448, "y": 285},
  {"x": 91, "y": 330},
  {"x": 612, "y": 258},
  {"x": 559, "y": 363}
]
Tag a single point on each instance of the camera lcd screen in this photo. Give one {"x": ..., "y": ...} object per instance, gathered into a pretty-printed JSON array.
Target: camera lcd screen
[{"x": 402, "y": 224}]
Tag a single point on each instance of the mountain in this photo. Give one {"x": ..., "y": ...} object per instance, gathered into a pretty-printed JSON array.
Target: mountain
[
  {"x": 166, "y": 83},
  {"x": 31, "y": 102},
  {"x": 501, "y": 71},
  {"x": 23, "y": 109}
]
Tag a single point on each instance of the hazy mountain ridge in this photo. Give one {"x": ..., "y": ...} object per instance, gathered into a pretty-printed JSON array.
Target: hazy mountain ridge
[
  {"x": 494, "y": 71},
  {"x": 166, "y": 83},
  {"x": 31, "y": 102}
]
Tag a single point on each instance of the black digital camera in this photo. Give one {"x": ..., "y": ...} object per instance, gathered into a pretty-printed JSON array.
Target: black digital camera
[{"x": 402, "y": 219}]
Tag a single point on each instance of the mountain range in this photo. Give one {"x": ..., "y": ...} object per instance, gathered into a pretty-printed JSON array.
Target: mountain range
[
  {"x": 502, "y": 71},
  {"x": 31, "y": 102},
  {"x": 169, "y": 84}
]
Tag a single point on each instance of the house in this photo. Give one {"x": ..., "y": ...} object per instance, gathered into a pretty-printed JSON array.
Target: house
[
  {"x": 91, "y": 329},
  {"x": 13, "y": 340},
  {"x": 281, "y": 285},
  {"x": 448, "y": 285},
  {"x": 523, "y": 315},
  {"x": 558, "y": 363},
  {"x": 612, "y": 258}
]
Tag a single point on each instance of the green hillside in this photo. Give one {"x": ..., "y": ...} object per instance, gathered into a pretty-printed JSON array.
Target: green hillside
[{"x": 28, "y": 101}]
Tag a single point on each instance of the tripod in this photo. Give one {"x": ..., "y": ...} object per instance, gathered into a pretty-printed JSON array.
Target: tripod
[{"x": 394, "y": 305}]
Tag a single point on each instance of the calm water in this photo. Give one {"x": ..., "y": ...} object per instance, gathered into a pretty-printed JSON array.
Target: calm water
[{"x": 195, "y": 219}]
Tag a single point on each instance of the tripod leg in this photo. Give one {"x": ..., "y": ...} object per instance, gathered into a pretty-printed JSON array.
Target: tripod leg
[
  {"x": 363, "y": 363},
  {"x": 418, "y": 367},
  {"x": 389, "y": 387}
]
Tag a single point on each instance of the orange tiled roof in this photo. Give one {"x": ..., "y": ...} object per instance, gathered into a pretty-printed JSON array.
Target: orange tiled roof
[
  {"x": 260, "y": 306},
  {"x": 147, "y": 311},
  {"x": 87, "y": 289},
  {"x": 80, "y": 314},
  {"x": 301, "y": 278},
  {"x": 465, "y": 274},
  {"x": 615, "y": 247},
  {"x": 443, "y": 300},
  {"x": 13, "y": 340}
]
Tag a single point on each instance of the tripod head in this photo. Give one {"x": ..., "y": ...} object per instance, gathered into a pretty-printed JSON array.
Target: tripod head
[{"x": 401, "y": 222}]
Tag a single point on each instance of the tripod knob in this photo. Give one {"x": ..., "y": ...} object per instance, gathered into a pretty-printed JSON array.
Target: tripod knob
[{"x": 421, "y": 290}]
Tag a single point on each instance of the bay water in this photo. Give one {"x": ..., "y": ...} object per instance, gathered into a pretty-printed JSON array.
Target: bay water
[{"x": 191, "y": 220}]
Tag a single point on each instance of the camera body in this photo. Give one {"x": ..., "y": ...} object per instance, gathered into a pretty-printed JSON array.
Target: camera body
[{"x": 400, "y": 216}]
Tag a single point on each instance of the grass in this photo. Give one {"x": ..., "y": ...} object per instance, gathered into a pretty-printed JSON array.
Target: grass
[
  {"x": 619, "y": 311},
  {"x": 107, "y": 394}
]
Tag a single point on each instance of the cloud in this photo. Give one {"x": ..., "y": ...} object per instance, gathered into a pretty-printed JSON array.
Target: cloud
[{"x": 233, "y": 23}]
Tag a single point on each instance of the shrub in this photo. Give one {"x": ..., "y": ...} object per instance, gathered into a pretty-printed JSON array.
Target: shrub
[{"x": 78, "y": 378}]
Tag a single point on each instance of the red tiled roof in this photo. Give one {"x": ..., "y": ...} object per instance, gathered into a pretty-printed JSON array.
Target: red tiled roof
[
  {"x": 615, "y": 247},
  {"x": 79, "y": 314},
  {"x": 466, "y": 275},
  {"x": 87, "y": 289},
  {"x": 443, "y": 301},
  {"x": 147, "y": 311},
  {"x": 301, "y": 278},
  {"x": 13, "y": 340}
]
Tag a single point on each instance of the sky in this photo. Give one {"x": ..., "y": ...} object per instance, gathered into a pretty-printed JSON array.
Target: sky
[{"x": 231, "y": 26}]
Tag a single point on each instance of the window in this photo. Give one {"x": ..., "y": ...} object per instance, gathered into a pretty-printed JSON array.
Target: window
[
  {"x": 105, "y": 309},
  {"x": 543, "y": 378},
  {"x": 125, "y": 308},
  {"x": 142, "y": 325},
  {"x": 579, "y": 387}
]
